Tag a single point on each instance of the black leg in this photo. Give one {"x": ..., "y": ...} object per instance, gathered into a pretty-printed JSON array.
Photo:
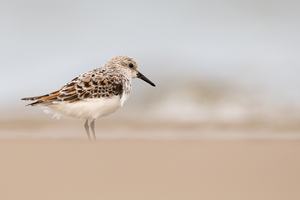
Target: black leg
[
  {"x": 93, "y": 129},
  {"x": 87, "y": 129}
]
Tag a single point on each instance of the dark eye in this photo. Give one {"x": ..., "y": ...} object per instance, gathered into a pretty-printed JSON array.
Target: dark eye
[{"x": 130, "y": 65}]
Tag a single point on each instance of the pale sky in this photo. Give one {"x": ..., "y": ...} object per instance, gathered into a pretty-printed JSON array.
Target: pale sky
[{"x": 46, "y": 43}]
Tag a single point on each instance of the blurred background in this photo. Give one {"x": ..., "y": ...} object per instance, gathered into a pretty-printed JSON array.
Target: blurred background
[{"x": 222, "y": 68}]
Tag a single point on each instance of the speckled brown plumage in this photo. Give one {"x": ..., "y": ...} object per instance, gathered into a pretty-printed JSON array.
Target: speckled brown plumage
[{"x": 98, "y": 83}]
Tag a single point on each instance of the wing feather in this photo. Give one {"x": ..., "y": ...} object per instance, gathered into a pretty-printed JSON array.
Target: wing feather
[{"x": 94, "y": 84}]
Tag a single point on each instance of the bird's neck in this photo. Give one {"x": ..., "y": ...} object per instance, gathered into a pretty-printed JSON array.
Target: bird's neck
[{"x": 126, "y": 81}]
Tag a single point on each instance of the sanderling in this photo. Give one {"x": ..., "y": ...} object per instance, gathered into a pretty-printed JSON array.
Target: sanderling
[{"x": 95, "y": 93}]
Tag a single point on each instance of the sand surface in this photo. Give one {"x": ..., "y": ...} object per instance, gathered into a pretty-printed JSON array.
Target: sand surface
[{"x": 150, "y": 169}]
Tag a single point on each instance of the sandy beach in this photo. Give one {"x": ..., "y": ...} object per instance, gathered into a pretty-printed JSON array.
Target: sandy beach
[{"x": 150, "y": 169}]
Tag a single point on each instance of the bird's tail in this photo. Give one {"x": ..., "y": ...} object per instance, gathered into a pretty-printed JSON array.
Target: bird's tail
[{"x": 41, "y": 99}]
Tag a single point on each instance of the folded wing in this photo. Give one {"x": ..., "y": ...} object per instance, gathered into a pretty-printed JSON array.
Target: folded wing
[{"x": 93, "y": 84}]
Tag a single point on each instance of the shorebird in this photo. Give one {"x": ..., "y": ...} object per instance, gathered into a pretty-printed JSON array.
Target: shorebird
[{"x": 94, "y": 94}]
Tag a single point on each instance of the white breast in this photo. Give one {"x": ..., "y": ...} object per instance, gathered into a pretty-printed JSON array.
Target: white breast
[{"x": 88, "y": 108}]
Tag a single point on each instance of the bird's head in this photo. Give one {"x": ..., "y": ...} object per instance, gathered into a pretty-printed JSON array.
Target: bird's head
[{"x": 128, "y": 66}]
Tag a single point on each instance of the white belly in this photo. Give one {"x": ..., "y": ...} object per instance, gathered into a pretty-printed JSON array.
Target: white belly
[{"x": 88, "y": 108}]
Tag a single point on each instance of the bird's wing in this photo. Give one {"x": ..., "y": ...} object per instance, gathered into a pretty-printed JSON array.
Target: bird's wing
[{"x": 93, "y": 84}]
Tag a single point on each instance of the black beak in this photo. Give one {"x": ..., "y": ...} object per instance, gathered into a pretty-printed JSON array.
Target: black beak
[{"x": 144, "y": 78}]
